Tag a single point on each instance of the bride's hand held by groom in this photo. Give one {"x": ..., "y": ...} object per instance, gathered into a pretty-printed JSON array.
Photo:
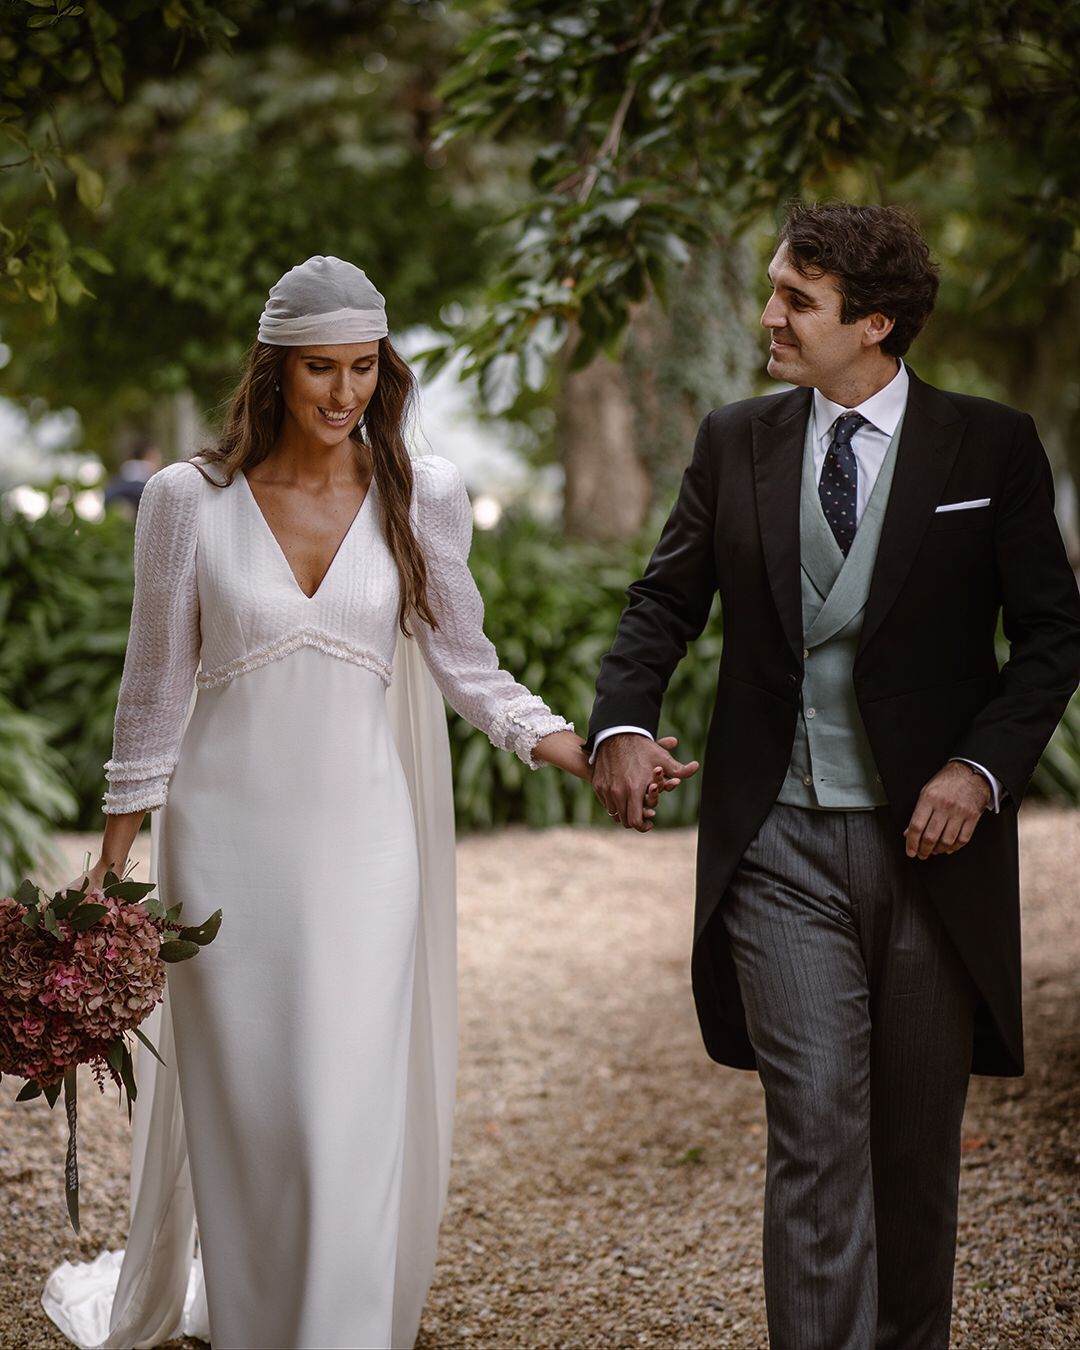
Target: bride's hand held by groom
[{"x": 629, "y": 773}]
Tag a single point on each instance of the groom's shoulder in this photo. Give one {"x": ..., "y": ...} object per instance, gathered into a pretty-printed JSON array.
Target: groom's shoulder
[
  {"x": 971, "y": 408},
  {"x": 772, "y": 408}
]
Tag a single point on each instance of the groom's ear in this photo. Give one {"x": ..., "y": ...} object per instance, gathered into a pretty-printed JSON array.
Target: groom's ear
[{"x": 876, "y": 328}]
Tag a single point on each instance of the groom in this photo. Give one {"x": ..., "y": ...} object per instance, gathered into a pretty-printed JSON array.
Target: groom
[{"x": 857, "y": 929}]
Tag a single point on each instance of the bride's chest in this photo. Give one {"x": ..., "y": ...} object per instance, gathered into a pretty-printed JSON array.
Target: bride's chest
[{"x": 245, "y": 578}]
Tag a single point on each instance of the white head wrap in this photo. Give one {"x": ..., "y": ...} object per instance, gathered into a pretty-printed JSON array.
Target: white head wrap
[{"x": 323, "y": 301}]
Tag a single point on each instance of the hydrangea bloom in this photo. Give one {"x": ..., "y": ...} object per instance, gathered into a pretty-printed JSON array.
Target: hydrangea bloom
[{"x": 63, "y": 1002}]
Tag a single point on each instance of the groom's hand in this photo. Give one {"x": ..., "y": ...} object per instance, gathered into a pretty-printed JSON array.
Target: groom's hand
[
  {"x": 626, "y": 777},
  {"x": 948, "y": 809}
]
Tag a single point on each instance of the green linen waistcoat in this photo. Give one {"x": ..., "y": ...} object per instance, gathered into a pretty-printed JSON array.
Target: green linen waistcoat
[{"x": 832, "y": 767}]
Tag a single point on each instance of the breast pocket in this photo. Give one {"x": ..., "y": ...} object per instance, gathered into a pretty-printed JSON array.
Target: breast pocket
[{"x": 970, "y": 518}]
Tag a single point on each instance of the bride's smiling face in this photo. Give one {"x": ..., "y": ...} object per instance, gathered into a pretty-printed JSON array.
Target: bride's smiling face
[{"x": 326, "y": 389}]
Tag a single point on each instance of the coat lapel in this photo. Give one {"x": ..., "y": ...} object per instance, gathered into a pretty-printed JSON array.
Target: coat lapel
[
  {"x": 929, "y": 441},
  {"x": 778, "y": 437}
]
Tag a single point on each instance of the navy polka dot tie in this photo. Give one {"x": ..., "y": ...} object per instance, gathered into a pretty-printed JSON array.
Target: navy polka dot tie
[{"x": 839, "y": 484}]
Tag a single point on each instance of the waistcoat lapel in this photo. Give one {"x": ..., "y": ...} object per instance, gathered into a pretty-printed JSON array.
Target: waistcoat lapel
[{"x": 852, "y": 586}]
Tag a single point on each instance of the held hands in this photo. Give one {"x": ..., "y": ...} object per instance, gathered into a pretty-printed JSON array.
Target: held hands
[
  {"x": 947, "y": 811},
  {"x": 631, "y": 771}
]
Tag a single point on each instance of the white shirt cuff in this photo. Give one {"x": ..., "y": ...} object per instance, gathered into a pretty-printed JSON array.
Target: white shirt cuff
[
  {"x": 996, "y": 790},
  {"x": 616, "y": 731}
]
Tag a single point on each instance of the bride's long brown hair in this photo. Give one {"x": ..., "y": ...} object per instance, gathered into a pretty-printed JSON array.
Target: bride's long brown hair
[{"x": 253, "y": 421}]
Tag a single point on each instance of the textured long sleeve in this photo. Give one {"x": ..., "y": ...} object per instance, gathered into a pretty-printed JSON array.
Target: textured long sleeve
[
  {"x": 163, "y": 645},
  {"x": 464, "y": 663}
]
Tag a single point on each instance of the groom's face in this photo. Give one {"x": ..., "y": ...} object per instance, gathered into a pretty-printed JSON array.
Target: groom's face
[{"x": 810, "y": 346}]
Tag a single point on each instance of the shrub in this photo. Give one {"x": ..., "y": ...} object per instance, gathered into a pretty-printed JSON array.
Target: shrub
[
  {"x": 34, "y": 797},
  {"x": 552, "y": 607},
  {"x": 65, "y": 605}
]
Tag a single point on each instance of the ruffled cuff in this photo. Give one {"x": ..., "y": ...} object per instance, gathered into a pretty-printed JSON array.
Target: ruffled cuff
[
  {"x": 136, "y": 785},
  {"x": 523, "y": 722}
]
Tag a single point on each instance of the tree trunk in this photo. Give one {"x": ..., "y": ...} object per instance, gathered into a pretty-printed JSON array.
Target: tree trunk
[
  {"x": 625, "y": 431},
  {"x": 608, "y": 490}
]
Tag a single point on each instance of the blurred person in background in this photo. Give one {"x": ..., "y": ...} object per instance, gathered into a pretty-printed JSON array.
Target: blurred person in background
[{"x": 124, "y": 489}]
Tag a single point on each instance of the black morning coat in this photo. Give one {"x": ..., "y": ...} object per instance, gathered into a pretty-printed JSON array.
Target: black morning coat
[{"x": 926, "y": 678}]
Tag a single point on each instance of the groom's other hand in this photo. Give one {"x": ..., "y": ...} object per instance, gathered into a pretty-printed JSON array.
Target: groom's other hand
[
  {"x": 625, "y": 777},
  {"x": 947, "y": 811}
]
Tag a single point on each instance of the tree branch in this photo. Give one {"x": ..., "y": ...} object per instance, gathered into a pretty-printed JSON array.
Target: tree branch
[{"x": 610, "y": 143}]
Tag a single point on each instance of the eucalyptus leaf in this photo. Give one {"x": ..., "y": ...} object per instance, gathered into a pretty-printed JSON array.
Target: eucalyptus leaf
[
  {"x": 127, "y": 1074},
  {"x": 62, "y": 905},
  {"x": 205, "y": 932},
  {"x": 27, "y": 894},
  {"x": 86, "y": 916},
  {"x": 129, "y": 891},
  {"x": 149, "y": 1044},
  {"x": 114, "y": 1055},
  {"x": 29, "y": 1091},
  {"x": 177, "y": 950},
  {"x": 52, "y": 1092}
]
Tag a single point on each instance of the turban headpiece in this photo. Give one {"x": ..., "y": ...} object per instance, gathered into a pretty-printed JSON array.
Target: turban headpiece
[{"x": 322, "y": 301}]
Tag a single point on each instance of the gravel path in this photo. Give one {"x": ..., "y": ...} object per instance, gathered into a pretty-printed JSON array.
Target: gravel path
[{"x": 607, "y": 1178}]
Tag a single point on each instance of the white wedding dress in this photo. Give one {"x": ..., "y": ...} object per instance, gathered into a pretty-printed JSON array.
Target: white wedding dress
[{"x": 313, "y": 1043}]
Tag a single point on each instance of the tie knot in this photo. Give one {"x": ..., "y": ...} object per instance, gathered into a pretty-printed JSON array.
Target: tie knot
[{"x": 846, "y": 426}]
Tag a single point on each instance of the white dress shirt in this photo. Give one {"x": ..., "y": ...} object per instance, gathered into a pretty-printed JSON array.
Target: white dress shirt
[{"x": 870, "y": 443}]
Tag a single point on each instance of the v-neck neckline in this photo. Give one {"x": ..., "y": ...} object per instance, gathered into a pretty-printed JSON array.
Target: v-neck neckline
[{"x": 281, "y": 552}]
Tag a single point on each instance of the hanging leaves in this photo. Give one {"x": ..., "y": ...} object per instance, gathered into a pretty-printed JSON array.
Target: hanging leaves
[
  {"x": 47, "y": 49},
  {"x": 654, "y": 120}
]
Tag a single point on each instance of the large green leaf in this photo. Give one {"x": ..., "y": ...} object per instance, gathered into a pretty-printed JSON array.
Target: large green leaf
[
  {"x": 204, "y": 932},
  {"x": 86, "y": 916},
  {"x": 175, "y": 950}
]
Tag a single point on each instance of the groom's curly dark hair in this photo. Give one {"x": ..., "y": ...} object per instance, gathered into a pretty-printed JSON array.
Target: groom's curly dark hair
[{"x": 878, "y": 256}]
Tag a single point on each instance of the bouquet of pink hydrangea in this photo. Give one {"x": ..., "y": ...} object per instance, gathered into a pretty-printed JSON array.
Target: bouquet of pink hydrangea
[{"x": 78, "y": 973}]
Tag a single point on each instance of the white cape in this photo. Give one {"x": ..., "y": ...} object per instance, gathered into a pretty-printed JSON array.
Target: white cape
[{"x": 152, "y": 1291}]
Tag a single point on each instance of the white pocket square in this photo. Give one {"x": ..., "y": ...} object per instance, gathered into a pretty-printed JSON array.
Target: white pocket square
[{"x": 963, "y": 506}]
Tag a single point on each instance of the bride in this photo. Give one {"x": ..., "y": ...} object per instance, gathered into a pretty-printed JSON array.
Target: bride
[{"x": 308, "y": 578}]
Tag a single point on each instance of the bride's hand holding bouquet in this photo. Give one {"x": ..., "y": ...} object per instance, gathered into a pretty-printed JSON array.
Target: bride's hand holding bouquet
[{"x": 79, "y": 972}]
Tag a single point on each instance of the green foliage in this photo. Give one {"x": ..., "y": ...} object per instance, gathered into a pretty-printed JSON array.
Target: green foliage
[
  {"x": 649, "y": 115},
  {"x": 51, "y": 51},
  {"x": 551, "y": 608},
  {"x": 34, "y": 797},
  {"x": 65, "y": 605},
  {"x": 306, "y": 137}
]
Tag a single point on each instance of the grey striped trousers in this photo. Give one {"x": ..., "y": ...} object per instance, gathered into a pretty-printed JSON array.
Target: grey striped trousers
[{"x": 861, "y": 1014}]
